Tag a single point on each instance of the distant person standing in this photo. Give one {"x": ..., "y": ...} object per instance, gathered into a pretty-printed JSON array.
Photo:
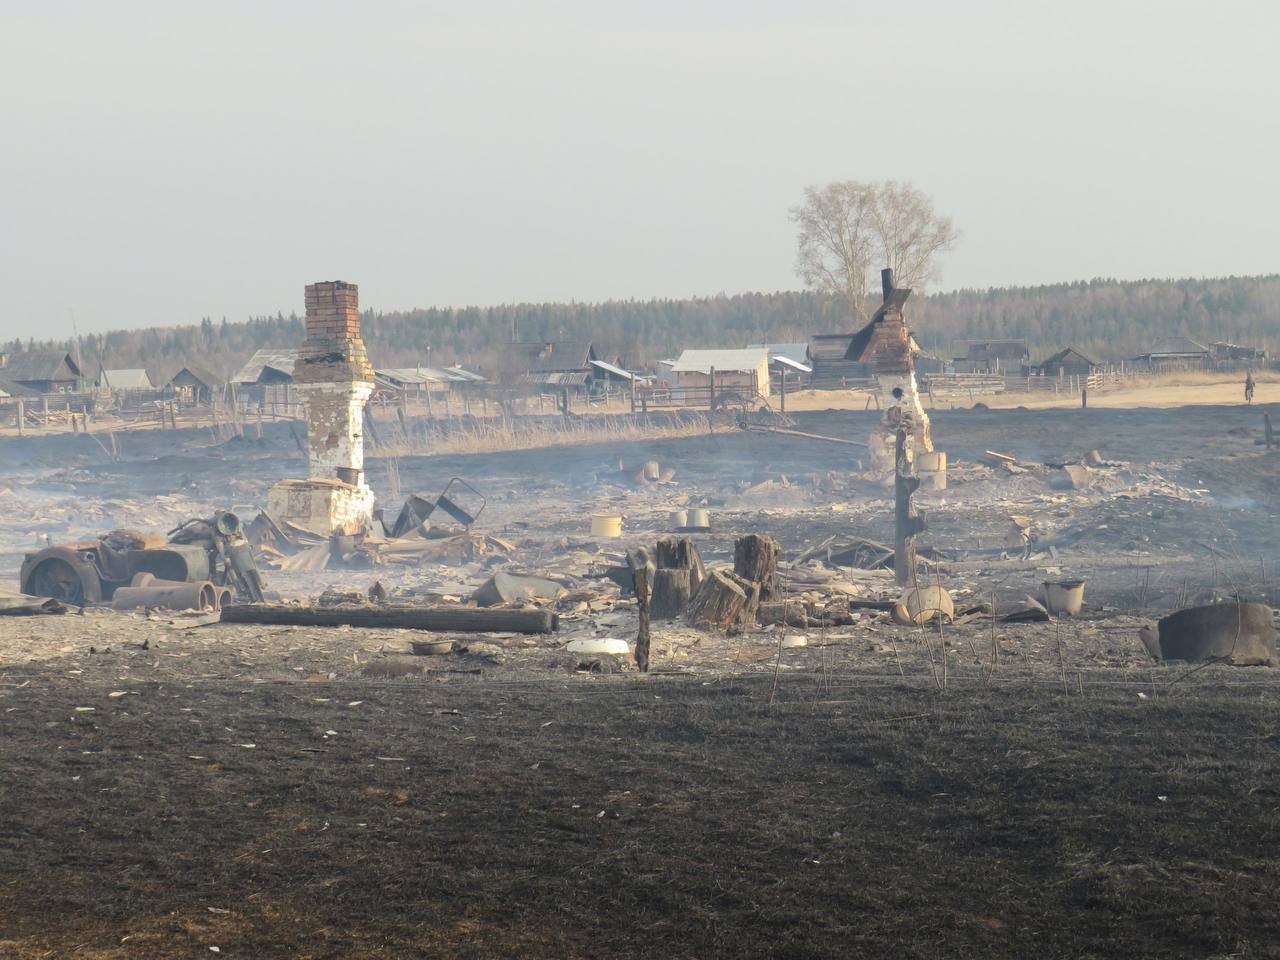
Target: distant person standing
[{"x": 1248, "y": 387}]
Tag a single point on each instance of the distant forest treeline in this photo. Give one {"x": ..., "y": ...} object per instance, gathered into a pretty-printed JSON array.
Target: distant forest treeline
[{"x": 1105, "y": 319}]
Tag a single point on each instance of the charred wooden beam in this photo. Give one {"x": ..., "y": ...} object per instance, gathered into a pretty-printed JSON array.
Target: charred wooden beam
[{"x": 459, "y": 619}]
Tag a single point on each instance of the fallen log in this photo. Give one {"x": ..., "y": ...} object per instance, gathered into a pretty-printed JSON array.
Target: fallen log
[
  {"x": 793, "y": 613},
  {"x": 755, "y": 428},
  {"x": 459, "y": 619}
]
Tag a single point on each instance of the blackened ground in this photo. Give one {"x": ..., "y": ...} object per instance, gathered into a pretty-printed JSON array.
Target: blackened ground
[
  {"x": 858, "y": 817},
  {"x": 1231, "y": 532}
]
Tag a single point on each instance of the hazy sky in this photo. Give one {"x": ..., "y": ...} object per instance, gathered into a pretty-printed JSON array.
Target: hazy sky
[{"x": 162, "y": 161}]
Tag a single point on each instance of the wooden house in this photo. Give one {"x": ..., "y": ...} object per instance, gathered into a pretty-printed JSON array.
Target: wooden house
[
  {"x": 196, "y": 385},
  {"x": 267, "y": 377},
  {"x": 135, "y": 380},
  {"x": 1175, "y": 353},
  {"x": 51, "y": 371},
  {"x": 745, "y": 371},
  {"x": 1008, "y": 357},
  {"x": 1069, "y": 362}
]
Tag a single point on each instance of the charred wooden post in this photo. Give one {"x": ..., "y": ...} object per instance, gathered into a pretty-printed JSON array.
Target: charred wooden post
[
  {"x": 755, "y": 558},
  {"x": 641, "y": 575},
  {"x": 1266, "y": 426},
  {"x": 906, "y": 526}
]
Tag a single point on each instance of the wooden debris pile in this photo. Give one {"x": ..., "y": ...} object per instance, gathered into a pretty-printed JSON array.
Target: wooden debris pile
[{"x": 286, "y": 546}]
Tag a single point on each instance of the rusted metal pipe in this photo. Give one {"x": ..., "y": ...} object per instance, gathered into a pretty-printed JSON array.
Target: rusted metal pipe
[{"x": 199, "y": 595}]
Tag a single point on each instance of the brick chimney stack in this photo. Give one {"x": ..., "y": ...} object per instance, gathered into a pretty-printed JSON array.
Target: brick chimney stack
[
  {"x": 333, "y": 379},
  {"x": 333, "y": 350}
]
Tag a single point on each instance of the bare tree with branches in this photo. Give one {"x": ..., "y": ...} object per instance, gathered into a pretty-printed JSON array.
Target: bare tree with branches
[
  {"x": 835, "y": 240},
  {"x": 910, "y": 234},
  {"x": 849, "y": 228}
]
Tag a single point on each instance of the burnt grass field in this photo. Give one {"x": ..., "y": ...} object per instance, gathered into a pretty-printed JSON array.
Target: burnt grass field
[{"x": 668, "y": 817}]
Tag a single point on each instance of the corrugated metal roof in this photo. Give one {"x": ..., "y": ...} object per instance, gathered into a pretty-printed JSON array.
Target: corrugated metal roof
[
  {"x": 610, "y": 368},
  {"x": 558, "y": 378},
  {"x": 723, "y": 361},
  {"x": 133, "y": 379},
  {"x": 788, "y": 362},
  {"x": 425, "y": 375},
  {"x": 408, "y": 375},
  {"x": 462, "y": 376},
  {"x": 282, "y": 361}
]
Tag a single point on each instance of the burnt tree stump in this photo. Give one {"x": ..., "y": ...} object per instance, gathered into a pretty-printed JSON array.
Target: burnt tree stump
[
  {"x": 677, "y": 578},
  {"x": 755, "y": 558},
  {"x": 724, "y": 601},
  {"x": 672, "y": 591},
  {"x": 681, "y": 554}
]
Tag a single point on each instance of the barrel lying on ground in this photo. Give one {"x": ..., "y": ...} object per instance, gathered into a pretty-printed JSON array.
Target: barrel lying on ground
[{"x": 1243, "y": 634}]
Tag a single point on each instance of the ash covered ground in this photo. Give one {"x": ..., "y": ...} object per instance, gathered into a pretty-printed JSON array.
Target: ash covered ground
[{"x": 170, "y": 786}]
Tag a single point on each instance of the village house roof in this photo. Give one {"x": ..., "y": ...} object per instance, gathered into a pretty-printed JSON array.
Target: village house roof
[
  {"x": 1063, "y": 356},
  {"x": 1177, "y": 347},
  {"x": 9, "y": 389},
  {"x": 829, "y": 346},
  {"x": 722, "y": 361},
  {"x": 280, "y": 360},
  {"x": 556, "y": 356},
  {"x": 845, "y": 346},
  {"x": 130, "y": 379},
  {"x": 423, "y": 376},
  {"x": 39, "y": 365},
  {"x": 194, "y": 374},
  {"x": 408, "y": 376},
  {"x": 785, "y": 361},
  {"x": 613, "y": 369},
  {"x": 986, "y": 350}
]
